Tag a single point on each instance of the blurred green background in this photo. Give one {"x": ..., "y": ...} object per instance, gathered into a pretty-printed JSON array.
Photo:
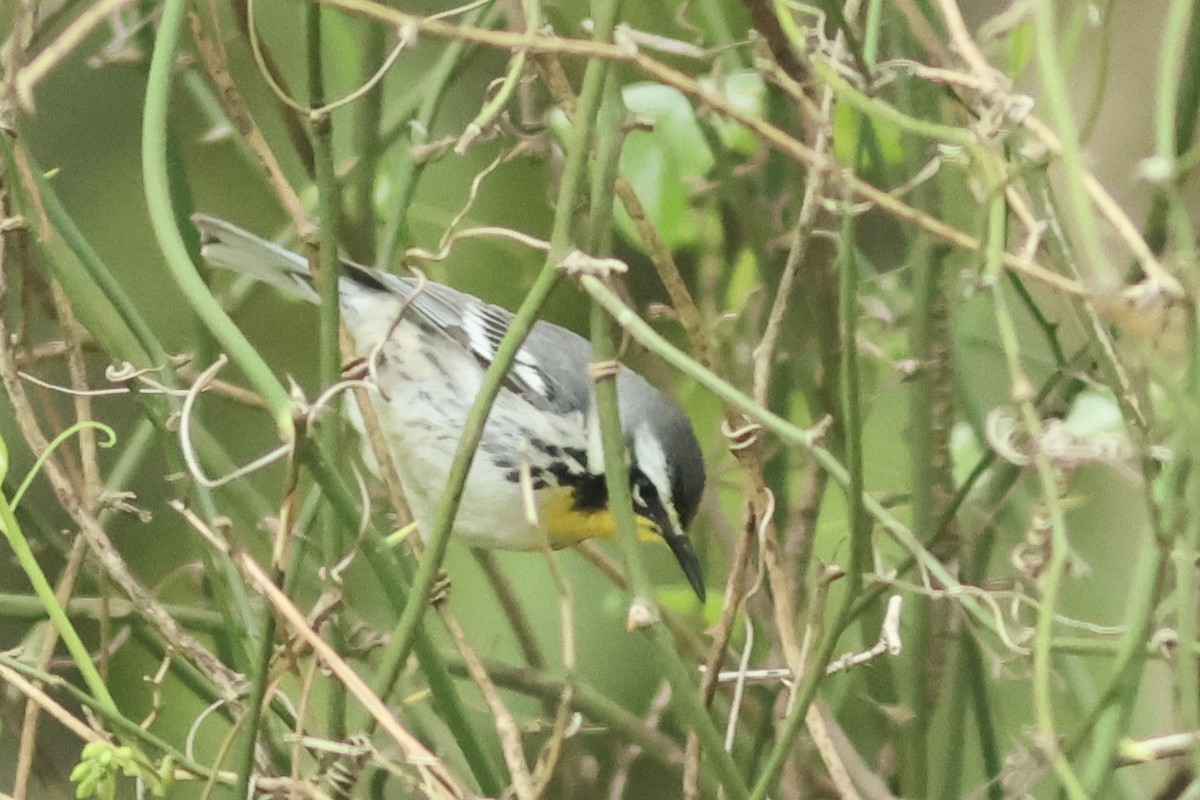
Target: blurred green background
[{"x": 85, "y": 132}]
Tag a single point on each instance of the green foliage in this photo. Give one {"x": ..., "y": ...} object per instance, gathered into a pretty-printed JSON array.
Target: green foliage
[
  {"x": 101, "y": 763},
  {"x": 892, "y": 266}
]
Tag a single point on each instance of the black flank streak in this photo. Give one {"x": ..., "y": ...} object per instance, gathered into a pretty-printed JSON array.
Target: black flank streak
[
  {"x": 591, "y": 493},
  {"x": 580, "y": 456}
]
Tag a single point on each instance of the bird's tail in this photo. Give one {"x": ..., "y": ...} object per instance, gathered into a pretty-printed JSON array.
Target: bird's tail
[{"x": 224, "y": 244}]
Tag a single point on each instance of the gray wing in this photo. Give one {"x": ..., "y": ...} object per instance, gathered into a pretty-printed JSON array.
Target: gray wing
[
  {"x": 550, "y": 369},
  {"x": 548, "y": 372}
]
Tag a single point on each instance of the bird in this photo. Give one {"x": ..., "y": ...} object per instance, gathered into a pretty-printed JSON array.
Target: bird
[{"x": 429, "y": 346}]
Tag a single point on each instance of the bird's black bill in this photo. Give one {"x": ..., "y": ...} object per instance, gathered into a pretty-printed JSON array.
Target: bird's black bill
[
  {"x": 681, "y": 546},
  {"x": 646, "y": 503}
]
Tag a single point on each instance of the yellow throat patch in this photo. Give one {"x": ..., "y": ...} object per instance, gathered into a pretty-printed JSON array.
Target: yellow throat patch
[{"x": 567, "y": 525}]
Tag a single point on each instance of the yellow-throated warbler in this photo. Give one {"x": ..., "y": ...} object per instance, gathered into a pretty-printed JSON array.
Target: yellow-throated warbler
[{"x": 542, "y": 433}]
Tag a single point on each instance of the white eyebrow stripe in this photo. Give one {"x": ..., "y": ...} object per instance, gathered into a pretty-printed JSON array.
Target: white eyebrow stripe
[{"x": 652, "y": 461}]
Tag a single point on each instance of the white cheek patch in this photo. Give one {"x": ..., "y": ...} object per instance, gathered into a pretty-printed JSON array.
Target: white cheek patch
[
  {"x": 652, "y": 461},
  {"x": 650, "y": 457}
]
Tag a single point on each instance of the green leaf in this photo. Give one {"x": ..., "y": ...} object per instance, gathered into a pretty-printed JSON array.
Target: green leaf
[
  {"x": 880, "y": 144},
  {"x": 746, "y": 92},
  {"x": 1094, "y": 412},
  {"x": 664, "y": 163},
  {"x": 1020, "y": 48},
  {"x": 744, "y": 279},
  {"x": 663, "y": 160}
]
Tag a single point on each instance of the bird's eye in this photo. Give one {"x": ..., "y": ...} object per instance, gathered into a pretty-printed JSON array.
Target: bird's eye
[{"x": 643, "y": 491}]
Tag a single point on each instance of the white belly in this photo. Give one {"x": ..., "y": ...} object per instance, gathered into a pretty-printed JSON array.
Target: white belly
[{"x": 422, "y": 404}]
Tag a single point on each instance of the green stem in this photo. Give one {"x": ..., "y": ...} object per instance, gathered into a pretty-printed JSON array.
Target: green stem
[
  {"x": 1170, "y": 53},
  {"x": 929, "y": 455},
  {"x": 889, "y": 116},
  {"x": 951, "y": 755},
  {"x": 616, "y": 471},
  {"x": 396, "y": 587},
  {"x": 472, "y": 433},
  {"x": 978, "y": 680},
  {"x": 642, "y": 333},
  {"x": 1187, "y": 106},
  {"x": 151, "y": 353},
  {"x": 252, "y": 722},
  {"x": 114, "y": 609},
  {"x": 1055, "y": 569},
  {"x": 45, "y": 593},
  {"x": 506, "y": 351},
  {"x": 247, "y": 729},
  {"x": 431, "y": 91},
  {"x": 358, "y": 223},
  {"x": 523, "y": 629},
  {"x": 162, "y": 220},
  {"x": 852, "y": 420},
  {"x": 594, "y": 705},
  {"x": 532, "y": 13},
  {"x": 1119, "y": 698},
  {"x": 1096, "y": 264},
  {"x": 328, "y": 334},
  {"x": 129, "y": 339},
  {"x": 620, "y": 503},
  {"x": 128, "y": 730}
]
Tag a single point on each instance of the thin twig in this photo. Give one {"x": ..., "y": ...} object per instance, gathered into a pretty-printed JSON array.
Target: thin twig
[
  {"x": 763, "y": 130},
  {"x": 406, "y": 38},
  {"x": 435, "y": 779},
  {"x": 217, "y": 64},
  {"x": 502, "y": 718},
  {"x": 627, "y": 755},
  {"x": 227, "y": 683},
  {"x": 33, "y": 706},
  {"x": 551, "y": 751},
  {"x": 37, "y": 695},
  {"x": 90, "y": 490},
  {"x": 53, "y": 54},
  {"x": 518, "y": 620}
]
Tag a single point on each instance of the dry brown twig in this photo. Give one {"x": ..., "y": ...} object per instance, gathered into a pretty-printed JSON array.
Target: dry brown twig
[
  {"x": 36, "y": 694},
  {"x": 53, "y": 54},
  {"x": 701, "y": 342},
  {"x": 91, "y": 489},
  {"x": 994, "y": 89},
  {"x": 216, "y": 62},
  {"x": 767, "y": 133},
  {"x": 34, "y": 706},
  {"x": 227, "y": 684},
  {"x": 551, "y": 751},
  {"x": 307, "y": 682},
  {"x": 502, "y": 718},
  {"x": 434, "y": 778}
]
